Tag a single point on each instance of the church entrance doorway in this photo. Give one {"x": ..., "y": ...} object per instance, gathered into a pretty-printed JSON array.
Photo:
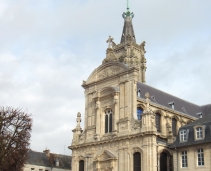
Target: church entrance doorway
[{"x": 166, "y": 161}]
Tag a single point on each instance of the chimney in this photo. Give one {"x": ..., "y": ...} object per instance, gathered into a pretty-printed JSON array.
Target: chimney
[{"x": 46, "y": 151}]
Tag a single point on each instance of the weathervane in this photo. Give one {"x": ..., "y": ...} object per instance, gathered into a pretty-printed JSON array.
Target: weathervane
[{"x": 128, "y": 13}]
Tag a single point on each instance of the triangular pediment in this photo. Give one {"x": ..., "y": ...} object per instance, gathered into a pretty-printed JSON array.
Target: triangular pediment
[
  {"x": 106, "y": 155},
  {"x": 105, "y": 71}
]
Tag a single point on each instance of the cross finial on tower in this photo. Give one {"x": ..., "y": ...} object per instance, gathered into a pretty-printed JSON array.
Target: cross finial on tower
[{"x": 128, "y": 13}]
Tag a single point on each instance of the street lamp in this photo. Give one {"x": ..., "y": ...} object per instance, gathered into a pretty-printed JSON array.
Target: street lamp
[{"x": 87, "y": 157}]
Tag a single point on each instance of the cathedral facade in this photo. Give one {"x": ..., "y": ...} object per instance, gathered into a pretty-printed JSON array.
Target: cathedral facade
[{"x": 128, "y": 124}]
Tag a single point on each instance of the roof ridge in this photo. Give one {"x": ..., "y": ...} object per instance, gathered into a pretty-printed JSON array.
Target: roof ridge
[
  {"x": 170, "y": 94},
  {"x": 205, "y": 105}
]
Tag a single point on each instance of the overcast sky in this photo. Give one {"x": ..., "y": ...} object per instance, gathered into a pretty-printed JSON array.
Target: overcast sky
[{"x": 47, "y": 47}]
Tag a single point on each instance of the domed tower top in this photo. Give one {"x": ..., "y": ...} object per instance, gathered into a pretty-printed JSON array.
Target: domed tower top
[{"x": 128, "y": 32}]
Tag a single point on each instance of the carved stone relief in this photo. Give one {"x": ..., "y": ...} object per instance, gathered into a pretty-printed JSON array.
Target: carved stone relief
[
  {"x": 108, "y": 72},
  {"x": 106, "y": 102},
  {"x": 136, "y": 124}
]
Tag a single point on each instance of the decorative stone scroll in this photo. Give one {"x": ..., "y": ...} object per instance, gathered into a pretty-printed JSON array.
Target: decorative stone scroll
[{"x": 104, "y": 71}]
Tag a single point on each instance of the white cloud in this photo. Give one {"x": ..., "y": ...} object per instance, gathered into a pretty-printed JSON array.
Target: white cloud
[{"x": 48, "y": 47}]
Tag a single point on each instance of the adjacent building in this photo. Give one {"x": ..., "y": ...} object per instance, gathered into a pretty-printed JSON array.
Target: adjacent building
[
  {"x": 46, "y": 161},
  {"x": 192, "y": 148}
]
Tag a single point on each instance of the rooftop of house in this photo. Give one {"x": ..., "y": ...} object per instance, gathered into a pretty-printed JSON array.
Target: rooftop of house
[
  {"x": 48, "y": 159},
  {"x": 205, "y": 122}
]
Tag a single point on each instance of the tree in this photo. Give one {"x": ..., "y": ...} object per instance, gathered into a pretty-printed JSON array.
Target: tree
[{"x": 15, "y": 133}]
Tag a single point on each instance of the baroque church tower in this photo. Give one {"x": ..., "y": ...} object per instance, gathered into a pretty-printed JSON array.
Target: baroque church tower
[{"x": 128, "y": 124}]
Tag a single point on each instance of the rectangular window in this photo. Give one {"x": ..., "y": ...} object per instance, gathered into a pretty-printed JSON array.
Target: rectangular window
[
  {"x": 183, "y": 135},
  {"x": 200, "y": 157},
  {"x": 199, "y": 133},
  {"x": 184, "y": 159}
]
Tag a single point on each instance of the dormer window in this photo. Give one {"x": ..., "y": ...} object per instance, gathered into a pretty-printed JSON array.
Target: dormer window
[
  {"x": 184, "y": 135},
  {"x": 56, "y": 162},
  {"x": 139, "y": 93},
  {"x": 199, "y": 132}
]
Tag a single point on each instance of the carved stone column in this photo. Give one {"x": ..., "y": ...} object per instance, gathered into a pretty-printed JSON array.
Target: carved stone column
[
  {"x": 98, "y": 123},
  {"x": 116, "y": 111},
  {"x": 134, "y": 99},
  {"x": 127, "y": 95},
  {"x": 122, "y": 99}
]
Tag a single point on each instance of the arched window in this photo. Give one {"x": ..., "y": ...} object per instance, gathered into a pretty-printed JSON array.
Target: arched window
[
  {"x": 108, "y": 120},
  {"x": 139, "y": 113},
  {"x": 174, "y": 126},
  {"x": 137, "y": 161},
  {"x": 81, "y": 165},
  {"x": 157, "y": 118}
]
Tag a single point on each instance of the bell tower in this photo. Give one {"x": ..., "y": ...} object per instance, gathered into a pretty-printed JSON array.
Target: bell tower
[{"x": 128, "y": 51}]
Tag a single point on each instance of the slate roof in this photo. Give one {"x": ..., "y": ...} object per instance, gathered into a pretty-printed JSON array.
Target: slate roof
[
  {"x": 180, "y": 105},
  {"x": 38, "y": 158},
  {"x": 191, "y": 141},
  {"x": 42, "y": 159}
]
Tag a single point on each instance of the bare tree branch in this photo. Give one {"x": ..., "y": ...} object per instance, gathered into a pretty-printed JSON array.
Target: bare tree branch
[{"x": 15, "y": 133}]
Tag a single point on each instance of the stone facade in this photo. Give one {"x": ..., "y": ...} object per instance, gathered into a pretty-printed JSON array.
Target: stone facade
[{"x": 127, "y": 125}]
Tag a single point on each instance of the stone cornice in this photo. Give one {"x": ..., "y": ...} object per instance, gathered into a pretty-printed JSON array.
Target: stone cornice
[
  {"x": 130, "y": 70},
  {"x": 111, "y": 140}
]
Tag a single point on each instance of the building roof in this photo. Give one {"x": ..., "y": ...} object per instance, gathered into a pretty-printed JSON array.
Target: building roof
[
  {"x": 206, "y": 121},
  {"x": 161, "y": 98},
  {"x": 48, "y": 159},
  {"x": 38, "y": 158}
]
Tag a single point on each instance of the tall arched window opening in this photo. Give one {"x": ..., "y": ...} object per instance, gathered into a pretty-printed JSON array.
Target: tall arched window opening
[
  {"x": 81, "y": 165},
  {"x": 139, "y": 113},
  {"x": 157, "y": 118},
  {"x": 137, "y": 161},
  {"x": 108, "y": 120},
  {"x": 174, "y": 126}
]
